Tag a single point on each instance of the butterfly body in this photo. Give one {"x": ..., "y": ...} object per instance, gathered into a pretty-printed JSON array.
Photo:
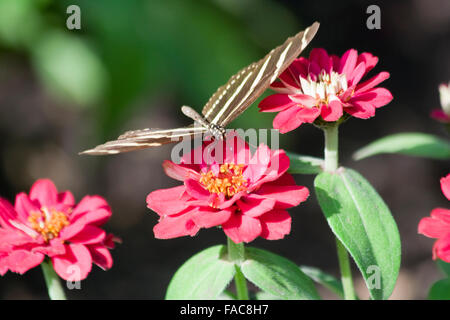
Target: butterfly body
[
  {"x": 217, "y": 131},
  {"x": 227, "y": 103}
]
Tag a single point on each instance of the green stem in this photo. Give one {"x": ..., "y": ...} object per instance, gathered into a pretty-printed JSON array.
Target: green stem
[
  {"x": 346, "y": 272},
  {"x": 331, "y": 155},
  {"x": 55, "y": 290},
  {"x": 236, "y": 254},
  {"x": 331, "y": 147}
]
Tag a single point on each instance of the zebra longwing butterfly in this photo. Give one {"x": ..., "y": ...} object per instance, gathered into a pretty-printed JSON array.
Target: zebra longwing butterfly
[{"x": 227, "y": 103}]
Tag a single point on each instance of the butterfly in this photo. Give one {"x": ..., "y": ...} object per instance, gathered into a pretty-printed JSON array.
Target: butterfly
[{"x": 225, "y": 105}]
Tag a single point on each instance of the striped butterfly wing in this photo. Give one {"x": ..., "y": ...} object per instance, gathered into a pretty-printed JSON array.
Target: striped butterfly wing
[
  {"x": 243, "y": 88},
  {"x": 146, "y": 138},
  {"x": 228, "y": 102}
]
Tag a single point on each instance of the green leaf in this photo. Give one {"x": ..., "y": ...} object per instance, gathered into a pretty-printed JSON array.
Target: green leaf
[
  {"x": 203, "y": 277},
  {"x": 12, "y": 29},
  {"x": 226, "y": 295},
  {"x": 69, "y": 68},
  {"x": 363, "y": 223},
  {"x": 262, "y": 295},
  {"x": 300, "y": 164},
  {"x": 277, "y": 276},
  {"x": 325, "y": 279},
  {"x": 412, "y": 144},
  {"x": 440, "y": 290},
  {"x": 444, "y": 267}
]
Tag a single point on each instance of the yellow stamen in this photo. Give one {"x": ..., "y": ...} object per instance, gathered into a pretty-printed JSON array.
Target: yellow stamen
[
  {"x": 48, "y": 222},
  {"x": 229, "y": 181}
]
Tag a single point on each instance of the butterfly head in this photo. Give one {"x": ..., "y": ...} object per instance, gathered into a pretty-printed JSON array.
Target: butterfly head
[{"x": 217, "y": 131}]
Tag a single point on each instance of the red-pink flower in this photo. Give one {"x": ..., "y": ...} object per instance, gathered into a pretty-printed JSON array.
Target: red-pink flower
[
  {"x": 438, "y": 226},
  {"x": 247, "y": 195},
  {"x": 326, "y": 86},
  {"x": 49, "y": 223},
  {"x": 443, "y": 115}
]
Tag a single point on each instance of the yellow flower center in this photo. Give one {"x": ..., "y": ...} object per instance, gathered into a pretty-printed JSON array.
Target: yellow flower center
[
  {"x": 48, "y": 222},
  {"x": 228, "y": 181}
]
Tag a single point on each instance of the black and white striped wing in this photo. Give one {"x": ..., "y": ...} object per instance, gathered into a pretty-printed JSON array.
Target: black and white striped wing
[
  {"x": 243, "y": 88},
  {"x": 228, "y": 102},
  {"x": 146, "y": 138}
]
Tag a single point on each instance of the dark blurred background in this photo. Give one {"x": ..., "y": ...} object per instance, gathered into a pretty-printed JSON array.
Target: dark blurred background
[{"x": 134, "y": 63}]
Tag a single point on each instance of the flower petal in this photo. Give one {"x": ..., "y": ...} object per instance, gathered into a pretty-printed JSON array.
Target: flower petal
[
  {"x": 4, "y": 267},
  {"x": 439, "y": 115},
  {"x": 372, "y": 82},
  {"x": 281, "y": 87},
  {"x": 441, "y": 214},
  {"x": 56, "y": 247},
  {"x": 90, "y": 203},
  {"x": 288, "y": 78},
  {"x": 361, "y": 109},
  {"x": 179, "y": 171},
  {"x": 258, "y": 164},
  {"x": 433, "y": 227},
  {"x": 348, "y": 62},
  {"x": 357, "y": 74},
  {"x": 369, "y": 60},
  {"x": 75, "y": 264},
  {"x": 285, "y": 196},
  {"x": 96, "y": 217},
  {"x": 254, "y": 205},
  {"x": 7, "y": 213},
  {"x": 101, "y": 256},
  {"x": 242, "y": 228},
  {"x": 445, "y": 186},
  {"x": 308, "y": 115},
  {"x": 45, "y": 192},
  {"x": 279, "y": 164},
  {"x": 20, "y": 261},
  {"x": 24, "y": 206},
  {"x": 235, "y": 149},
  {"x": 304, "y": 100},
  {"x": 333, "y": 111},
  {"x": 168, "y": 201},
  {"x": 196, "y": 190},
  {"x": 377, "y": 97},
  {"x": 299, "y": 67},
  {"x": 9, "y": 238},
  {"x": 313, "y": 70},
  {"x": 275, "y": 224},
  {"x": 88, "y": 235},
  {"x": 207, "y": 217},
  {"x": 275, "y": 103},
  {"x": 441, "y": 248},
  {"x": 66, "y": 198},
  {"x": 111, "y": 240},
  {"x": 320, "y": 56},
  {"x": 336, "y": 62},
  {"x": 176, "y": 226}
]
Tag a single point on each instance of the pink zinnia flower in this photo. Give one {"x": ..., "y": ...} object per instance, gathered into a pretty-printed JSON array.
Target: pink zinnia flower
[
  {"x": 326, "y": 86},
  {"x": 48, "y": 223},
  {"x": 438, "y": 226},
  {"x": 443, "y": 115},
  {"x": 247, "y": 195}
]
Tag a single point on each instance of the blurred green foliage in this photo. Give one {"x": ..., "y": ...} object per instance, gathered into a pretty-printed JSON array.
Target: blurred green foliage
[{"x": 136, "y": 49}]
